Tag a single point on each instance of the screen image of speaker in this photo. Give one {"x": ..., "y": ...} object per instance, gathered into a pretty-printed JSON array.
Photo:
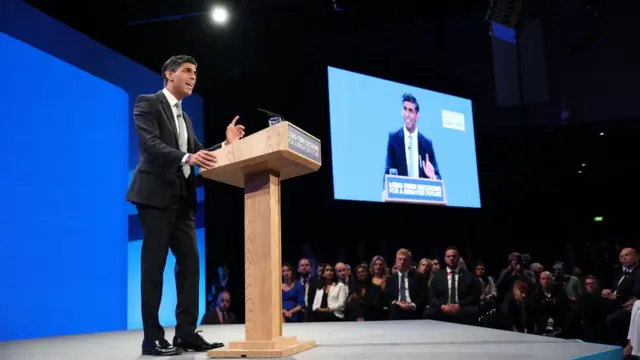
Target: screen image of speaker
[{"x": 392, "y": 142}]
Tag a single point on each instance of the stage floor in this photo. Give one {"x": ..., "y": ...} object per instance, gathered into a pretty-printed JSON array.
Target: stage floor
[{"x": 386, "y": 340}]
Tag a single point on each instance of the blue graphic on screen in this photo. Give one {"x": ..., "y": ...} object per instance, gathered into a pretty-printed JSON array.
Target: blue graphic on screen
[
  {"x": 365, "y": 111},
  {"x": 63, "y": 229},
  {"x": 71, "y": 242}
]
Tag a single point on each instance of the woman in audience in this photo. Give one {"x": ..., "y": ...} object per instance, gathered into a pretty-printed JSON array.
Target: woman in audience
[
  {"x": 292, "y": 294},
  {"x": 379, "y": 271},
  {"x": 424, "y": 266},
  {"x": 365, "y": 300},
  {"x": 330, "y": 299},
  {"x": 489, "y": 289}
]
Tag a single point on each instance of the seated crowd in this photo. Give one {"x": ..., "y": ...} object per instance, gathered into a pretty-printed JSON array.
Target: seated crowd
[{"x": 524, "y": 298}]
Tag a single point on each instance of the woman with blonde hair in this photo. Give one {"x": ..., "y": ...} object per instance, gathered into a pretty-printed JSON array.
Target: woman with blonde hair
[{"x": 379, "y": 271}]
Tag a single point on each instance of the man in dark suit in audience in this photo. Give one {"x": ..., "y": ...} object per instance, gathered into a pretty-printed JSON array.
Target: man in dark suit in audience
[
  {"x": 454, "y": 294},
  {"x": 406, "y": 290},
  {"x": 220, "y": 314},
  {"x": 622, "y": 297}
]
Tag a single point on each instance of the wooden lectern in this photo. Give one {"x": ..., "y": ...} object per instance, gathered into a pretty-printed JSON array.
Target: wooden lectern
[{"x": 258, "y": 163}]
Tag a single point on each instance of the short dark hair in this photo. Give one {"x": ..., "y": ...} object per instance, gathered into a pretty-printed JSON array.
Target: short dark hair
[
  {"x": 521, "y": 285},
  {"x": 174, "y": 64},
  {"x": 592, "y": 277},
  {"x": 452, "y": 248},
  {"x": 412, "y": 99}
]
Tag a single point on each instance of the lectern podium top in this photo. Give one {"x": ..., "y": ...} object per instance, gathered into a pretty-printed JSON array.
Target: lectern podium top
[{"x": 283, "y": 148}]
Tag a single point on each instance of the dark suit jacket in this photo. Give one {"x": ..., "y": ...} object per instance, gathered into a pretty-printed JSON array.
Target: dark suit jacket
[
  {"x": 158, "y": 171},
  {"x": 417, "y": 289},
  {"x": 211, "y": 318},
  {"x": 397, "y": 157},
  {"x": 468, "y": 289},
  {"x": 625, "y": 289}
]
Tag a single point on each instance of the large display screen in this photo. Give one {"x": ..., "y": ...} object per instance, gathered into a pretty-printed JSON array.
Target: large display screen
[{"x": 392, "y": 142}]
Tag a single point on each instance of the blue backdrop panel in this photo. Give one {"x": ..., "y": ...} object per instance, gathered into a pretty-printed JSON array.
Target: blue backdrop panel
[
  {"x": 54, "y": 125},
  {"x": 61, "y": 196},
  {"x": 365, "y": 109}
]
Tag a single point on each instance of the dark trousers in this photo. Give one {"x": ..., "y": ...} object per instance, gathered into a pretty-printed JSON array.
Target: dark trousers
[
  {"x": 319, "y": 316},
  {"x": 395, "y": 312},
  {"x": 618, "y": 323},
  {"x": 163, "y": 229},
  {"x": 467, "y": 315}
]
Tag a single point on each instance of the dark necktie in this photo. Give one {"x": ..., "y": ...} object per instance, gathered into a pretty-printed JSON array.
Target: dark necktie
[
  {"x": 403, "y": 289},
  {"x": 226, "y": 318},
  {"x": 452, "y": 289}
]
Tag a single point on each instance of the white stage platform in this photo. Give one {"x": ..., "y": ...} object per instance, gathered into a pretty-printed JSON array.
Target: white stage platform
[{"x": 385, "y": 340}]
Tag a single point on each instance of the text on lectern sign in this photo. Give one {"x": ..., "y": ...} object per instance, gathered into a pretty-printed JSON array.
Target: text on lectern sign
[{"x": 304, "y": 144}]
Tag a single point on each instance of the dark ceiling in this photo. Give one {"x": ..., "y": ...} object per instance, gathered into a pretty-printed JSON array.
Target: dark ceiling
[{"x": 262, "y": 35}]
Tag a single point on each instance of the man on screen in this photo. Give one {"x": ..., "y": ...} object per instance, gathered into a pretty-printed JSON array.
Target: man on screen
[
  {"x": 408, "y": 151},
  {"x": 164, "y": 192}
]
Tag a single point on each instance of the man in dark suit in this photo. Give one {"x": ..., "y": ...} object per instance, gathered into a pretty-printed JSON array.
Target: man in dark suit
[
  {"x": 406, "y": 290},
  {"x": 622, "y": 295},
  {"x": 408, "y": 151},
  {"x": 164, "y": 192},
  {"x": 454, "y": 294},
  {"x": 220, "y": 314}
]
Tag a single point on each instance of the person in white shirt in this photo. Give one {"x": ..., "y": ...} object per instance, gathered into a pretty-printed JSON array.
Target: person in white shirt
[{"x": 329, "y": 300}]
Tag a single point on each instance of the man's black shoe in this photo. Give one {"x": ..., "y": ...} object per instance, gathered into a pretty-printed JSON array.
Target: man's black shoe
[
  {"x": 194, "y": 342},
  {"x": 159, "y": 348}
]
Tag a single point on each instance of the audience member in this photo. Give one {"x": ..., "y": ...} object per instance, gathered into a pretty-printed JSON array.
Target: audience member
[
  {"x": 550, "y": 306},
  {"x": 293, "y": 294},
  {"x": 454, "y": 294},
  {"x": 220, "y": 314},
  {"x": 516, "y": 312},
  {"x": 406, "y": 289},
  {"x": 379, "y": 271},
  {"x": 365, "y": 299},
  {"x": 569, "y": 283},
  {"x": 329, "y": 300},
  {"x": 622, "y": 296},
  {"x": 592, "y": 310}
]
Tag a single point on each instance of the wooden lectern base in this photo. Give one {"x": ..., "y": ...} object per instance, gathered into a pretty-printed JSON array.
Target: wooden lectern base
[{"x": 279, "y": 348}]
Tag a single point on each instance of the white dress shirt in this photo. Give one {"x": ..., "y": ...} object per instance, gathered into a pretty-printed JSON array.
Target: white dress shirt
[
  {"x": 634, "y": 329},
  {"x": 180, "y": 121},
  {"x": 413, "y": 163}
]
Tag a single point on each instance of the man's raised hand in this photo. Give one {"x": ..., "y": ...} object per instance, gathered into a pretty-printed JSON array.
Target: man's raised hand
[{"x": 234, "y": 132}]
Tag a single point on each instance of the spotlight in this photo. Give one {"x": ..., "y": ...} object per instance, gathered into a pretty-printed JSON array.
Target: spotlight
[{"x": 220, "y": 15}]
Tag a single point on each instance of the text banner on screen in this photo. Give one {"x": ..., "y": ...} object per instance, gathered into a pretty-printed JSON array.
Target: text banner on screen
[
  {"x": 414, "y": 190},
  {"x": 304, "y": 144}
]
